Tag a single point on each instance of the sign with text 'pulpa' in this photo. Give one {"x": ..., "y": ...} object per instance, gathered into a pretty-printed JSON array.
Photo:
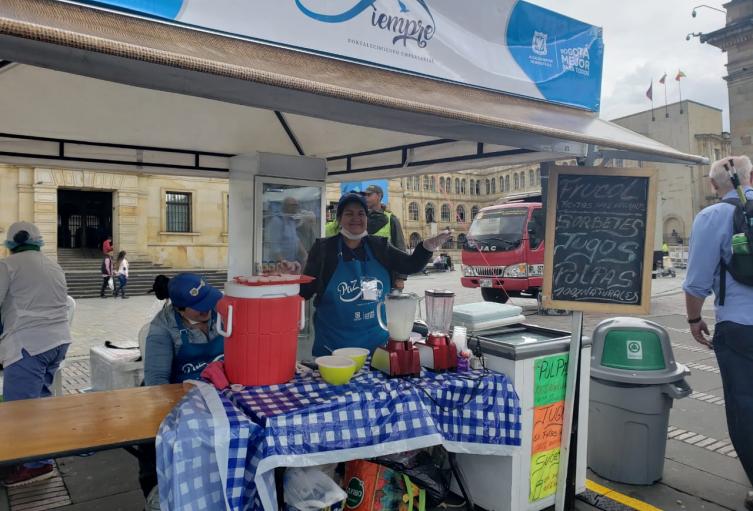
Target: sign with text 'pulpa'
[
  {"x": 504, "y": 45},
  {"x": 599, "y": 245}
]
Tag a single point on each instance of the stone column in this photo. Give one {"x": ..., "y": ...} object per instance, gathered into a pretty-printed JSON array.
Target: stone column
[
  {"x": 45, "y": 206},
  {"x": 125, "y": 221}
]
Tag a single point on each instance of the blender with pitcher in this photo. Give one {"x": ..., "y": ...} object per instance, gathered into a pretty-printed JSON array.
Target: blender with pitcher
[
  {"x": 438, "y": 352},
  {"x": 399, "y": 357}
]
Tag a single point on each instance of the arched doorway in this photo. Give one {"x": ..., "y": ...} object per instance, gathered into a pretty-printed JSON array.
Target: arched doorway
[
  {"x": 84, "y": 218},
  {"x": 674, "y": 229}
]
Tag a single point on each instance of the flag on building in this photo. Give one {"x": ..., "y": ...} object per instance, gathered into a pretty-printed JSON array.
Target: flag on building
[
  {"x": 650, "y": 91},
  {"x": 663, "y": 78},
  {"x": 680, "y": 74}
]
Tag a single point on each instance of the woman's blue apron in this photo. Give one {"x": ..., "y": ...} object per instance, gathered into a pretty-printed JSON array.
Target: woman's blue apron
[
  {"x": 192, "y": 358},
  {"x": 343, "y": 319}
]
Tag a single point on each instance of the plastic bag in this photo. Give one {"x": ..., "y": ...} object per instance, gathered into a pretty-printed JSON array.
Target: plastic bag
[
  {"x": 309, "y": 489},
  {"x": 110, "y": 284}
]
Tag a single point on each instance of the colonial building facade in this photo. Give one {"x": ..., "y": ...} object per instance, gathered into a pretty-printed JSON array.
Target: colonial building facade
[
  {"x": 175, "y": 221},
  {"x": 736, "y": 38}
]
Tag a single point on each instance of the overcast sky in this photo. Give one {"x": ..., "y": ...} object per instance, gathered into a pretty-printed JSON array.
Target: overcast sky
[{"x": 645, "y": 38}]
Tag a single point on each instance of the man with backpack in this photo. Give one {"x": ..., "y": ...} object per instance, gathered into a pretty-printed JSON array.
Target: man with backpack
[{"x": 714, "y": 265}]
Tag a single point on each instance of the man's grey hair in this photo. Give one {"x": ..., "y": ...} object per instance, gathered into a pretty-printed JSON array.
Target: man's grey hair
[{"x": 720, "y": 176}]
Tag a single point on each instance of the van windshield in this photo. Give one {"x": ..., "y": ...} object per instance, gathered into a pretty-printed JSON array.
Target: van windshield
[{"x": 502, "y": 228}]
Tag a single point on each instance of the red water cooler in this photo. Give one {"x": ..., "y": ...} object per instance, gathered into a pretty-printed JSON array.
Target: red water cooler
[{"x": 260, "y": 317}]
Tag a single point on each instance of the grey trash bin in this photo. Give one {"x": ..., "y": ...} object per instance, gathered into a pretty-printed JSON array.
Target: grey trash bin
[{"x": 634, "y": 380}]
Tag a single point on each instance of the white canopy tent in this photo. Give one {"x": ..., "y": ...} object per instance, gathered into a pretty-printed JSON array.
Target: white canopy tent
[{"x": 95, "y": 89}]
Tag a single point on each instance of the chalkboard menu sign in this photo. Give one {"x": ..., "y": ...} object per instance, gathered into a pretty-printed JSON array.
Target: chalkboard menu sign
[{"x": 600, "y": 228}]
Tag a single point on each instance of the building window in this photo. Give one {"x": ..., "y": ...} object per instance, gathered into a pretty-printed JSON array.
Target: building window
[
  {"x": 457, "y": 185},
  {"x": 474, "y": 212},
  {"x": 494, "y": 185},
  {"x": 462, "y": 186},
  {"x": 429, "y": 210},
  {"x": 433, "y": 184},
  {"x": 413, "y": 212},
  {"x": 488, "y": 187},
  {"x": 538, "y": 177},
  {"x": 717, "y": 154},
  {"x": 427, "y": 184},
  {"x": 178, "y": 209},
  {"x": 473, "y": 187},
  {"x": 414, "y": 240},
  {"x": 531, "y": 177},
  {"x": 445, "y": 212},
  {"x": 441, "y": 184},
  {"x": 507, "y": 183},
  {"x": 460, "y": 214},
  {"x": 515, "y": 181},
  {"x": 522, "y": 179},
  {"x": 478, "y": 187}
]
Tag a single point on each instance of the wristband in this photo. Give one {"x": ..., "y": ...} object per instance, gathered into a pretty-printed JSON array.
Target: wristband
[{"x": 694, "y": 320}]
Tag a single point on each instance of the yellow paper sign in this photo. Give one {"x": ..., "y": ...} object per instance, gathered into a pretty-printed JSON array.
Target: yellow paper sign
[{"x": 544, "y": 469}]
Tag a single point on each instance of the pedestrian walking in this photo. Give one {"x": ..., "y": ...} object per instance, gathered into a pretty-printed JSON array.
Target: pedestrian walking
[
  {"x": 107, "y": 274},
  {"x": 121, "y": 272},
  {"x": 36, "y": 335},
  {"x": 711, "y": 267}
]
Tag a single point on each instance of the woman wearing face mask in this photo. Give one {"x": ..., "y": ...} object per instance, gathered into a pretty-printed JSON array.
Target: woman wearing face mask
[
  {"x": 182, "y": 339},
  {"x": 181, "y": 342},
  {"x": 352, "y": 271}
]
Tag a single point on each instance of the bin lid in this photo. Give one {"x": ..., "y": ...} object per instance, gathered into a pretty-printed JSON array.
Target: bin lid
[{"x": 633, "y": 350}]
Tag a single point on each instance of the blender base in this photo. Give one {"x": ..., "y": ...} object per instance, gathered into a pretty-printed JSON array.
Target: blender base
[
  {"x": 397, "y": 358},
  {"x": 438, "y": 353}
]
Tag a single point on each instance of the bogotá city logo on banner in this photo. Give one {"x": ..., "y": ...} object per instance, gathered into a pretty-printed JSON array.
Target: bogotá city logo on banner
[
  {"x": 539, "y": 43},
  {"x": 405, "y": 20}
]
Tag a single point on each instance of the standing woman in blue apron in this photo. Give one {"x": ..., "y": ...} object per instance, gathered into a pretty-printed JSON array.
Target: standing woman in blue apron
[
  {"x": 182, "y": 340},
  {"x": 352, "y": 271}
]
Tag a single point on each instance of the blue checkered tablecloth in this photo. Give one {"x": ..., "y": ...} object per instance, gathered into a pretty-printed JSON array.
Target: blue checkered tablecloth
[{"x": 218, "y": 450}]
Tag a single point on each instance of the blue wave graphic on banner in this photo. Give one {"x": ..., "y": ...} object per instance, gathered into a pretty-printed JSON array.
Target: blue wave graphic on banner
[
  {"x": 562, "y": 56},
  {"x": 351, "y": 13},
  {"x": 160, "y": 8}
]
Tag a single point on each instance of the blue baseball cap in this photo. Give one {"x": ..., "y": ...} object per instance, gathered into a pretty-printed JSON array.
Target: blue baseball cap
[
  {"x": 352, "y": 197},
  {"x": 190, "y": 290}
]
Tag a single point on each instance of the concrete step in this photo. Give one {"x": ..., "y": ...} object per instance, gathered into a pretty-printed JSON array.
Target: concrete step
[{"x": 137, "y": 286}]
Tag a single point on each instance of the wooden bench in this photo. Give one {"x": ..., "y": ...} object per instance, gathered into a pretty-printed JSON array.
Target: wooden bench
[{"x": 60, "y": 426}]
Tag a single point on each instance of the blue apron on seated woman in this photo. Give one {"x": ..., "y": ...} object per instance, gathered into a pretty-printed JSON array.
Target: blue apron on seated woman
[
  {"x": 352, "y": 271},
  {"x": 182, "y": 338}
]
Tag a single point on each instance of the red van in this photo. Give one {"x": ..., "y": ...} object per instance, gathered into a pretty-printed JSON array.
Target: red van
[{"x": 504, "y": 251}]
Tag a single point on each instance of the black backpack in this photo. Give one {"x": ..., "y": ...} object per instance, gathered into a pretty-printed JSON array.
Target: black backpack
[
  {"x": 103, "y": 267},
  {"x": 741, "y": 265}
]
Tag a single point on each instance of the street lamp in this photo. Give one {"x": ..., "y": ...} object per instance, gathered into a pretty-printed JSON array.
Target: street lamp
[
  {"x": 707, "y": 6},
  {"x": 693, "y": 34}
]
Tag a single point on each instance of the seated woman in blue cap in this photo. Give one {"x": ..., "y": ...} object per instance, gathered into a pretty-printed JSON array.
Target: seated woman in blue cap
[
  {"x": 181, "y": 341},
  {"x": 352, "y": 271},
  {"x": 182, "y": 338}
]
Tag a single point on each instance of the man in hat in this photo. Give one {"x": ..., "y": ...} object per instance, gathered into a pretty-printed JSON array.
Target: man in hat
[
  {"x": 36, "y": 335},
  {"x": 385, "y": 224}
]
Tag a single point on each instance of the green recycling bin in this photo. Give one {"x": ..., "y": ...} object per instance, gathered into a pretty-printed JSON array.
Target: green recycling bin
[{"x": 634, "y": 381}]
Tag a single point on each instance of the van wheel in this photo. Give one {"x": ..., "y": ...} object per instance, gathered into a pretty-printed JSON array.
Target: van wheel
[{"x": 494, "y": 295}]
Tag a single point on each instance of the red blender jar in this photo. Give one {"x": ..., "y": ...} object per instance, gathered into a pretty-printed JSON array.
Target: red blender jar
[
  {"x": 438, "y": 353},
  {"x": 261, "y": 317}
]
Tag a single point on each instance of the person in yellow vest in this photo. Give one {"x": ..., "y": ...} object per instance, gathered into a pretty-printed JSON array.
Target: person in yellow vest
[{"x": 385, "y": 224}]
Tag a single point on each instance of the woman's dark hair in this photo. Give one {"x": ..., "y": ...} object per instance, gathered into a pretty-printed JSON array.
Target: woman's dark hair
[
  {"x": 160, "y": 287},
  {"x": 21, "y": 237},
  {"x": 121, "y": 255}
]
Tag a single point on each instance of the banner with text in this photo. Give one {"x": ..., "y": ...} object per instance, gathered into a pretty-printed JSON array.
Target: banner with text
[{"x": 506, "y": 45}]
